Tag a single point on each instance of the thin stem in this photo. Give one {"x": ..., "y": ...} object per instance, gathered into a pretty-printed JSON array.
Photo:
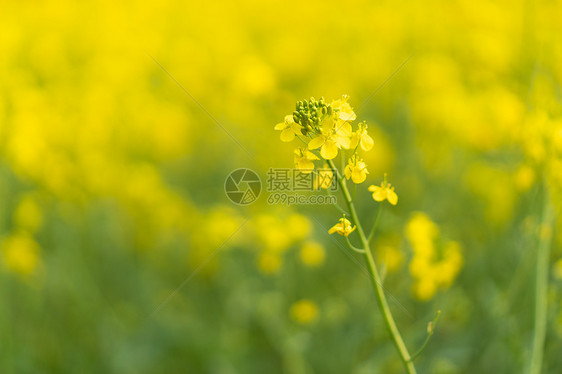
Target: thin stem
[
  {"x": 372, "y": 233},
  {"x": 541, "y": 285},
  {"x": 375, "y": 278},
  {"x": 358, "y": 250},
  {"x": 430, "y": 329}
]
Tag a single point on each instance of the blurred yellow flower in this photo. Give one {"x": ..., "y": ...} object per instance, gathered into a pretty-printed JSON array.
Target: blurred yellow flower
[
  {"x": 360, "y": 137},
  {"x": 304, "y": 160},
  {"x": 524, "y": 177},
  {"x": 432, "y": 266},
  {"x": 356, "y": 170},
  {"x": 269, "y": 262},
  {"x": 21, "y": 253},
  {"x": 391, "y": 257},
  {"x": 312, "y": 254},
  {"x": 384, "y": 192},
  {"x": 289, "y": 129},
  {"x": 343, "y": 227},
  {"x": 297, "y": 226},
  {"x": 304, "y": 312}
]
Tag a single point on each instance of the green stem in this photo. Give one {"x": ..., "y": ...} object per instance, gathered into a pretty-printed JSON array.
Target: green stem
[
  {"x": 430, "y": 330},
  {"x": 375, "y": 278},
  {"x": 372, "y": 233},
  {"x": 541, "y": 286}
]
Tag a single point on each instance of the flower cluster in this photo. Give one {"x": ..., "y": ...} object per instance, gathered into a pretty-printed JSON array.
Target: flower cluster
[
  {"x": 435, "y": 263},
  {"x": 327, "y": 130}
]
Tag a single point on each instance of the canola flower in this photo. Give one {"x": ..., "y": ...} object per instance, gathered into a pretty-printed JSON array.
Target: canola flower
[
  {"x": 289, "y": 129},
  {"x": 384, "y": 192},
  {"x": 356, "y": 170},
  {"x": 304, "y": 160},
  {"x": 343, "y": 227},
  {"x": 328, "y": 128}
]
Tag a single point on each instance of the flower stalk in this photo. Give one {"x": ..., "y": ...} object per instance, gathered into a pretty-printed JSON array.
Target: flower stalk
[
  {"x": 541, "y": 284},
  {"x": 376, "y": 280}
]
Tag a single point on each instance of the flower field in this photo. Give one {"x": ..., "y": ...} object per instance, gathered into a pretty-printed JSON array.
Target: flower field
[{"x": 281, "y": 187}]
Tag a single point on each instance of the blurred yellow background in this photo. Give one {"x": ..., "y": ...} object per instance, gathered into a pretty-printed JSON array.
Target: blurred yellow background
[{"x": 119, "y": 123}]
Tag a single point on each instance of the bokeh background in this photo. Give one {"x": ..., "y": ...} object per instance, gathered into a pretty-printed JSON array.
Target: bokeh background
[{"x": 111, "y": 185}]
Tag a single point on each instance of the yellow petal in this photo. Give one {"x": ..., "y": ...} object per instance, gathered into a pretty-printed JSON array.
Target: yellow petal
[
  {"x": 287, "y": 135},
  {"x": 305, "y": 166},
  {"x": 343, "y": 128},
  {"x": 344, "y": 142},
  {"x": 311, "y": 156},
  {"x": 334, "y": 229},
  {"x": 329, "y": 150},
  {"x": 358, "y": 176},
  {"x": 317, "y": 142},
  {"x": 366, "y": 142},
  {"x": 296, "y": 128},
  {"x": 354, "y": 140},
  {"x": 372, "y": 188},
  {"x": 347, "y": 116},
  {"x": 347, "y": 172},
  {"x": 327, "y": 125},
  {"x": 392, "y": 197},
  {"x": 379, "y": 194},
  {"x": 280, "y": 126}
]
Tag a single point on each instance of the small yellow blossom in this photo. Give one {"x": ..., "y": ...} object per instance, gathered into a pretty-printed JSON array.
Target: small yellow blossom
[
  {"x": 324, "y": 178},
  {"x": 356, "y": 170},
  {"x": 304, "y": 160},
  {"x": 333, "y": 135},
  {"x": 360, "y": 137},
  {"x": 384, "y": 192},
  {"x": 289, "y": 128},
  {"x": 343, "y": 227},
  {"x": 312, "y": 254},
  {"x": 304, "y": 312},
  {"x": 345, "y": 112}
]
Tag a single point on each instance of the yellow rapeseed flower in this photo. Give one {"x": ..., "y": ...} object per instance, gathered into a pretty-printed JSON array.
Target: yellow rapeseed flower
[
  {"x": 356, "y": 170},
  {"x": 384, "y": 192},
  {"x": 333, "y": 135},
  {"x": 343, "y": 109},
  {"x": 343, "y": 227},
  {"x": 360, "y": 137},
  {"x": 304, "y": 160},
  {"x": 289, "y": 128},
  {"x": 304, "y": 312}
]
